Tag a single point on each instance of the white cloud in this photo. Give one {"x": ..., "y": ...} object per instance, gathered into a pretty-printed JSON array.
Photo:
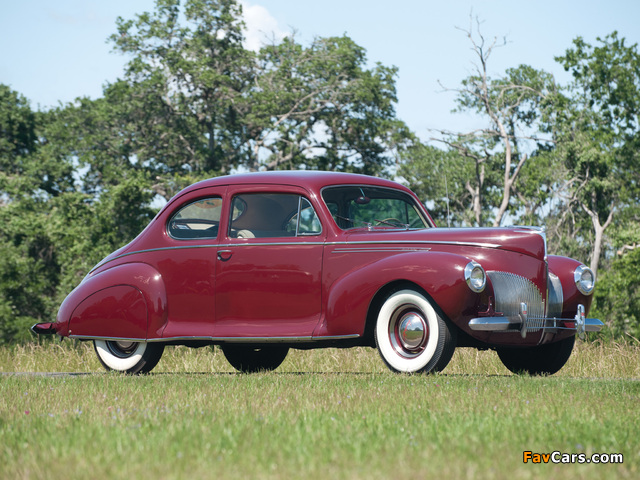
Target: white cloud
[{"x": 261, "y": 27}]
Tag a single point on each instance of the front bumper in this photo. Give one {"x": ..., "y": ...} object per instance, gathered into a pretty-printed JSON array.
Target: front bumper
[{"x": 522, "y": 323}]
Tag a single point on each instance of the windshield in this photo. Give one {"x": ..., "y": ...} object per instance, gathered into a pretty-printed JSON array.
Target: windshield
[{"x": 363, "y": 206}]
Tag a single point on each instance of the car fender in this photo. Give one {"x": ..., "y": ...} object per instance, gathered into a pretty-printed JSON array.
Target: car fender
[
  {"x": 439, "y": 274},
  {"x": 126, "y": 301},
  {"x": 564, "y": 267}
]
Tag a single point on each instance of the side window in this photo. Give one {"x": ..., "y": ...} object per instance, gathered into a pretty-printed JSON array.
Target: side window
[
  {"x": 199, "y": 219},
  {"x": 272, "y": 215}
]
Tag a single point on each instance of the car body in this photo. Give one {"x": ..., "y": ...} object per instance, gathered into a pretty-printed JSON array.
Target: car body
[{"x": 262, "y": 262}]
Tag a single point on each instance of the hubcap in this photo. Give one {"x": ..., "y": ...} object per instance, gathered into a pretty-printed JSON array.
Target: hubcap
[
  {"x": 122, "y": 349},
  {"x": 411, "y": 331},
  {"x": 408, "y": 332}
]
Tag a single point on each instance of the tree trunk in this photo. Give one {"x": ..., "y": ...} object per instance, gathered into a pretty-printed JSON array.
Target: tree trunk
[{"x": 598, "y": 230}]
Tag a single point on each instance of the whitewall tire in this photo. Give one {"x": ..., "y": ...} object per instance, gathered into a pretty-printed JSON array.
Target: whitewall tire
[
  {"x": 128, "y": 357},
  {"x": 411, "y": 337}
]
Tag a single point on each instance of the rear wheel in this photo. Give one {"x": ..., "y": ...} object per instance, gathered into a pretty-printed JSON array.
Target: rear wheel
[
  {"x": 411, "y": 337},
  {"x": 128, "y": 357},
  {"x": 250, "y": 359},
  {"x": 542, "y": 360}
]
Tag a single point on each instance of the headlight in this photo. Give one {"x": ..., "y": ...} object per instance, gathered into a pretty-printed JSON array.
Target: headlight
[
  {"x": 475, "y": 277},
  {"x": 585, "y": 279}
]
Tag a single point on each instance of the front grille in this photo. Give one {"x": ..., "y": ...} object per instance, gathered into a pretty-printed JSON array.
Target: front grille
[{"x": 510, "y": 290}]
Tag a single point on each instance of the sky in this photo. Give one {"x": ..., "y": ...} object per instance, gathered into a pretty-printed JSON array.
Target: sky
[{"x": 53, "y": 51}]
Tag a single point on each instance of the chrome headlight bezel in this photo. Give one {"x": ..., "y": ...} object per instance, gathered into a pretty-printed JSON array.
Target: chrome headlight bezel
[
  {"x": 584, "y": 279},
  {"x": 475, "y": 276}
]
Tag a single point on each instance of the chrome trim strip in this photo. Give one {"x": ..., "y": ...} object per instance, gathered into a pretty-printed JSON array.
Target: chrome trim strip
[
  {"x": 221, "y": 339},
  {"x": 418, "y": 242},
  {"x": 148, "y": 250},
  {"x": 114, "y": 339},
  {"x": 382, "y": 250},
  {"x": 270, "y": 244}
]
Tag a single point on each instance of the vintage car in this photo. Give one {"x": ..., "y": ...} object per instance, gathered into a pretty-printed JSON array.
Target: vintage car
[{"x": 259, "y": 263}]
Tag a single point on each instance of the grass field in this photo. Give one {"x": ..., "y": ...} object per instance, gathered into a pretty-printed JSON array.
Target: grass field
[{"x": 323, "y": 414}]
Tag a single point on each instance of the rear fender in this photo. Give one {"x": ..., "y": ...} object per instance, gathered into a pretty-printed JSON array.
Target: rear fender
[
  {"x": 440, "y": 275},
  {"x": 126, "y": 301}
]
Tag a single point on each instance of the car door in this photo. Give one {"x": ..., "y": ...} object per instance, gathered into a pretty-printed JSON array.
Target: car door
[
  {"x": 187, "y": 264},
  {"x": 269, "y": 265}
]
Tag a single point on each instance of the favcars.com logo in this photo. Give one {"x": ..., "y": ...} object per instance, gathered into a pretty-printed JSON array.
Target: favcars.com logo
[{"x": 559, "y": 457}]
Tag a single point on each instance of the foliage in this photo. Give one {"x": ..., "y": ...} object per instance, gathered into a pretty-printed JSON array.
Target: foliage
[
  {"x": 495, "y": 160},
  {"x": 598, "y": 134},
  {"x": 441, "y": 179},
  {"x": 51, "y": 232},
  {"x": 194, "y": 100}
]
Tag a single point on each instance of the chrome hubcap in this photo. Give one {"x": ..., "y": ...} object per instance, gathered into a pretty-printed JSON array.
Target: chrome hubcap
[
  {"x": 411, "y": 331},
  {"x": 408, "y": 332},
  {"x": 122, "y": 349}
]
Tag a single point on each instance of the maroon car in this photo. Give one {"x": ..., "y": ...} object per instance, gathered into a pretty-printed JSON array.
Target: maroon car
[{"x": 263, "y": 262}]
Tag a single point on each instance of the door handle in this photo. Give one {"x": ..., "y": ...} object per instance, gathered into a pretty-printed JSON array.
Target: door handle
[{"x": 224, "y": 255}]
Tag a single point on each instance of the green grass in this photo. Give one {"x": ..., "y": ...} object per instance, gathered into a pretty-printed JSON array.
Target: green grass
[{"x": 323, "y": 414}]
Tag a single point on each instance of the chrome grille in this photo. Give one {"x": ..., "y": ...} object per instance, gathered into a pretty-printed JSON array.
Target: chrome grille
[{"x": 510, "y": 290}]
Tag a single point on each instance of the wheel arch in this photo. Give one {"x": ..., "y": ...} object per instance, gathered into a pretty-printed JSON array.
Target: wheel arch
[{"x": 383, "y": 293}]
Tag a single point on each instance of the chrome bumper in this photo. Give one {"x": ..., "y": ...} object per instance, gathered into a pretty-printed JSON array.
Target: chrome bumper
[
  {"x": 520, "y": 323},
  {"x": 43, "y": 329}
]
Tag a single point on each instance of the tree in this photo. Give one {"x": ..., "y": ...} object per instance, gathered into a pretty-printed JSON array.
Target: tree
[
  {"x": 194, "y": 101},
  {"x": 440, "y": 178},
  {"x": 491, "y": 162},
  {"x": 617, "y": 297},
  {"x": 320, "y": 108},
  {"x": 18, "y": 139},
  {"x": 598, "y": 133}
]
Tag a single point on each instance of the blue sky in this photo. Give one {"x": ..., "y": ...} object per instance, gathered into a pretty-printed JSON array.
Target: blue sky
[{"x": 55, "y": 51}]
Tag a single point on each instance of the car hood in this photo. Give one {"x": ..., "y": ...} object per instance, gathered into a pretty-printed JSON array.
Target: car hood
[{"x": 525, "y": 240}]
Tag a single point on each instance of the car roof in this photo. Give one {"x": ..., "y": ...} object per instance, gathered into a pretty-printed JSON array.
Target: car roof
[{"x": 312, "y": 180}]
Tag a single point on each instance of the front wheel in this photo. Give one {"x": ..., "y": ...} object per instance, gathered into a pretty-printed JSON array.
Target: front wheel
[
  {"x": 128, "y": 357},
  {"x": 411, "y": 337},
  {"x": 542, "y": 360},
  {"x": 251, "y": 359}
]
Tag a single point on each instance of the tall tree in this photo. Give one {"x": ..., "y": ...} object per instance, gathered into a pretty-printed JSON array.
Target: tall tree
[
  {"x": 187, "y": 73},
  {"x": 320, "y": 107},
  {"x": 194, "y": 100},
  {"x": 491, "y": 161},
  {"x": 598, "y": 133}
]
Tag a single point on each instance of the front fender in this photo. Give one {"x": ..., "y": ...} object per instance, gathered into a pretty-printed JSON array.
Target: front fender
[
  {"x": 563, "y": 268},
  {"x": 126, "y": 301},
  {"x": 439, "y": 274}
]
